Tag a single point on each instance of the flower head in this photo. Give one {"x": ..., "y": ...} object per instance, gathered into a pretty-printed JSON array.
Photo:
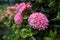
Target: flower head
[
  {"x": 23, "y": 7},
  {"x": 28, "y": 6},
  {"x": 38, "y": 21},
  {"x": 18, "y": 19},
  {"x": 19, "y": 6}
]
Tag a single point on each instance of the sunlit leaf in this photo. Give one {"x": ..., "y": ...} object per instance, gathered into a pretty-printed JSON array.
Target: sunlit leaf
[{"x": 25, "y": 33}]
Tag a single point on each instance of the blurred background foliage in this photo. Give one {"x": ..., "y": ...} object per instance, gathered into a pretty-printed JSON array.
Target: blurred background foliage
[{"x": 49, "y": 7}]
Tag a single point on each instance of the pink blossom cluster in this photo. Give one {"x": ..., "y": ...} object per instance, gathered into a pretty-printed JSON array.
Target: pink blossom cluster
[
  {"x": 21, "y": 8},
  {"x": 38, "y": 21},
  {"x": 18, "y": 19}
]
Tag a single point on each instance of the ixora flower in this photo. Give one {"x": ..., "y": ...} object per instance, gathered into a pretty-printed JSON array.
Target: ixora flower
[
  {"x": 10, "y": 14},
  {"x": 18, "y": 19},
  {"x": 22, "y": 7},
  {"x": 38, "y": 21},
  {"x": 28, "y": 6}
]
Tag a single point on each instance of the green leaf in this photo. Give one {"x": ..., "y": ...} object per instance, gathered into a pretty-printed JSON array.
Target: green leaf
[
  {"x": 25, "y": 33},
  {"x": 33, "y": 38},
  {"x": 39, "y": 1},
  {"x": 14, "y": 26},
  {"x": 25, "y": 16},
  {"x": 17, "y": 33},
  {"x": 57, "y": 25},
  {"x": 58, "y": 16},
  {"x": 48, "y": 38},
  {"x": 53, "y": 34},
  {"x": 51, "y": 4}
]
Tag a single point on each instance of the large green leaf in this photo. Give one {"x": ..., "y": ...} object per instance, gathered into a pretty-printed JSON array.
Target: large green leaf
[{"x": 25, "y": 33}]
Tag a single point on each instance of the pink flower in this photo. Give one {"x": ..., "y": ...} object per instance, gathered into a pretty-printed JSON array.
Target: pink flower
[
  {"x": 10, "y": 14},
  {"x": 28, "y": 6},
  {"x": 18, "y": 19},
  {"x": 19, "y": 6},
  {"x": 12, "y": 7},
  {"x": 23, "y": 7},
  {"x": 38, "y": 21}
]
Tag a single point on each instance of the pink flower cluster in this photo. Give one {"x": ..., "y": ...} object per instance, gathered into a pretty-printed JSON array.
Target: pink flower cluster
[
  {"x": 38, "y": 21},
  {"x": 18, "y": 19},
  {"x": 21, "y": 8}
]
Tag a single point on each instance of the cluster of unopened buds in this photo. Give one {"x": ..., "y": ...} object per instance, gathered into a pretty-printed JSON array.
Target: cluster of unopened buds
[{"x": 36, "y": 20}]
